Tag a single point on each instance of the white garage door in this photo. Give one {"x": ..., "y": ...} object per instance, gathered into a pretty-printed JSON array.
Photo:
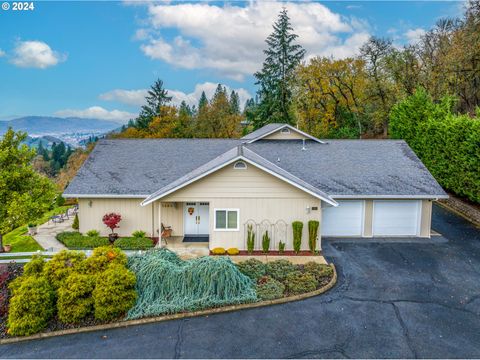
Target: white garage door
[
  {"x": 396, "y": 217},
  {"x": 344, "y": 220}
]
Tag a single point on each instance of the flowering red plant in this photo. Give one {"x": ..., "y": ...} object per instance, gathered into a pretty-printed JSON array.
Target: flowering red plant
[{"x": 112, "y": 220}]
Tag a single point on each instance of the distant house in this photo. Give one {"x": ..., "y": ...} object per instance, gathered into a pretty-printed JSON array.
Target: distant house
[{"x": 214, "y": 188}]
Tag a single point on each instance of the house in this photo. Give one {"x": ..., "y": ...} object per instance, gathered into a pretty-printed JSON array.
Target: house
[{"x": 214, "y": 188}]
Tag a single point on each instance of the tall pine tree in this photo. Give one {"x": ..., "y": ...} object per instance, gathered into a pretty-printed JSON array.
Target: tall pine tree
[
  {"x": 282, "y": 57},
  {"x": 157, "y": 98},
  {"x": 234, "y": 103}
]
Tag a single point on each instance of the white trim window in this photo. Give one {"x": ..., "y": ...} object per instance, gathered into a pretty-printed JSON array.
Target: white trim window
[{"x": 226, "y": 219}]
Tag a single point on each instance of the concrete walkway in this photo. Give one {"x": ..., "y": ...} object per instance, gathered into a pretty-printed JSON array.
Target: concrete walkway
[{"x": 46, "y": 234}]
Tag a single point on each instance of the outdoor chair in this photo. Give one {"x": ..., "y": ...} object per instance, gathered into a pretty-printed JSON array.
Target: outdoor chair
[
  {"x": 56, "y": 219},
  {"x": 166, "y": 233}
]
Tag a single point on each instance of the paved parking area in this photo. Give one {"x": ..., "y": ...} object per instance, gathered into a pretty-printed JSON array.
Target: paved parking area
[{"x": 393, "y": 299}]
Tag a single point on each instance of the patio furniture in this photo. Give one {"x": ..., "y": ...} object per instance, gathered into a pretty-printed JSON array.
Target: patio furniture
[
  {"x": 166, "y": 233},
  {"x": 56, "y": 219}
]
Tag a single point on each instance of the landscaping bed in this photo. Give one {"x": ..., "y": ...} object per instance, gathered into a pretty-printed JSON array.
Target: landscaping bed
[
  {"x": 273, "y": 253},
  {"x": 76, "y": 241},
  {"x": 78, "y": 293}
]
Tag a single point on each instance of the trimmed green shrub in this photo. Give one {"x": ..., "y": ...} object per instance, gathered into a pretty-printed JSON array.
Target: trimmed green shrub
[
  {"x": 62, "y": 265},
  {"x": 319, "y": 271},
  {"x": 233, "y": 251},
  {"x": 75, "y": 300},
  {"x": 139, "y": 234},
  {"x": 114, "y": 292},
  {"x": 34, "y": 266},
  {"x": 75, "y": 224},
  {"x": 31, "y": 306},
  {"x": 313, "y": 234},
  {"x": 138, "y": 243},
  {"x": 218, "y": 251},
  {"x": 269, "y": 288},
  {"x": 299, "y": 283},
  {"x": 250, "y": 239},
  {"x": 281, "y": 247},
  {"x": 448, "y": 144},
  {"x": 279, "y": 269},
  {"x": 253, "y": 268},
  {"x": 266, "y": 242},
  {"x": 102, "y": 257},
  {"x": 93, "y": 233},
  {"x": 297, "y": 227},
  {"x": 75, "y": 240}
]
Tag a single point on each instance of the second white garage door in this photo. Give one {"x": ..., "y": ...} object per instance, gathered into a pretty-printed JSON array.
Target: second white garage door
[
  {"x": 344, "y": 220},
  {"x": 396, "y": 217}
]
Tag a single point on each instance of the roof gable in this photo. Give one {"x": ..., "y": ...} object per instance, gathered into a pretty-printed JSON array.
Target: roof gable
[
  {"x": 229, "y": 157},
  {"x": 269, "y": 130}
]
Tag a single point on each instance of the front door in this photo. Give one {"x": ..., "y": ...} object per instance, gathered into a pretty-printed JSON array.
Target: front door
[{"x": 196, "y": 218}]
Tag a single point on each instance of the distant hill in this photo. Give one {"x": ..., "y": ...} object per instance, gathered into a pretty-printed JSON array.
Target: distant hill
[
  {"x": 45, "y": 125},
  {"x": 46, "y": 141}
]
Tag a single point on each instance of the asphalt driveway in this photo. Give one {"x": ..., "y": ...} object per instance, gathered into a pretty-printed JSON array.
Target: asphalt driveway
[{"x": 395, "y": 299}]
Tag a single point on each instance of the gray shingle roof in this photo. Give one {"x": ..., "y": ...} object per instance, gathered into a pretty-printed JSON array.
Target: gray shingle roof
[
  {"x": 142, "y": 166},
  {"x": 237, "y": 152},
  {"x": 336, "y": 168},
  {"x": 262, "y": 131},
  {"x": 353, "y": 167}
]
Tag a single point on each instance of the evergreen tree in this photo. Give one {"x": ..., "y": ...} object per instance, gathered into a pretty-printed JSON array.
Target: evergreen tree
[
  {"x": 203, "y": 101},
  {"x": 234, "y": 103},
  {"x": 157, "y": 98},
  {"x": 282, "y": 57}
]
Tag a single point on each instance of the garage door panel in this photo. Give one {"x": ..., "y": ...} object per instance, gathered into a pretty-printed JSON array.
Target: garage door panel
[
  {"x": 396, "y": 217},
  {"x": 344, "y": 220}
]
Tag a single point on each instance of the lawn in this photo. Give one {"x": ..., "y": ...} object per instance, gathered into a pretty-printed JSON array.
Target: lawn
[{"x": 21, "y": 241}]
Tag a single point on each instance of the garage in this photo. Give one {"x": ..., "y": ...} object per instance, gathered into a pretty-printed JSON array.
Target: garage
[
  {"x": 344, "y": 220},
  {"x": 396, "y": 217}
]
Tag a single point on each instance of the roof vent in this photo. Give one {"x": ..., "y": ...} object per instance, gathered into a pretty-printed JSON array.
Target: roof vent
[{"x": 303, "y": 145}]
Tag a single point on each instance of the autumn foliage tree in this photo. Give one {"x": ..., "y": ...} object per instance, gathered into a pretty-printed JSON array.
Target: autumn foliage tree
[{"x": 112, "y": 220}]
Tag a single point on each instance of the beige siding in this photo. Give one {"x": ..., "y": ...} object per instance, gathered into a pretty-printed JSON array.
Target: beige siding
[
  {"x": 172, "y": 215},
  {"x": 230, "y": 183},
  {"x": 134, "y": 216},
  {"x": 278, "y": 135},
  {"x": 368, "y": 219},
  {"x": 258, "y": 196},
  {"x": 426, "y": 220}
]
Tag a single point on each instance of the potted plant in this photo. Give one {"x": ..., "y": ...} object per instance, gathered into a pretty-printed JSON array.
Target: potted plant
[
  {"x": 7, "y": 247},
  {"x": 111, "y": 221},
  {"x": 32, "y": 229}
]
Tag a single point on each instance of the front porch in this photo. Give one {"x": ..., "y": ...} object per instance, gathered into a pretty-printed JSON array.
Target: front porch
[{"x": 186, "y": 250}]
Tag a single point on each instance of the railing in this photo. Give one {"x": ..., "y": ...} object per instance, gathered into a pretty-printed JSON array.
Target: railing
[{"x": 24, "y": 257}]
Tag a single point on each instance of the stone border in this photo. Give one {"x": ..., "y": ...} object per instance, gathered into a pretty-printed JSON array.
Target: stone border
[
  {"x": 450, "y": 207},
  {"x": 224, "y": 309}
]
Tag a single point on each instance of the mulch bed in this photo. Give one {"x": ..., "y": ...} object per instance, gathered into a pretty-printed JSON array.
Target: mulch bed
[
  {"x": 467, "y": 208},
  {"x": 275, "y": 253}
]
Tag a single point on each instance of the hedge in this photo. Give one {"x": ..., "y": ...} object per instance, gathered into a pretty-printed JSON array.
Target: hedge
[
  {"x": 448, "y": 144},
  {"x": 75, "y": 241}
]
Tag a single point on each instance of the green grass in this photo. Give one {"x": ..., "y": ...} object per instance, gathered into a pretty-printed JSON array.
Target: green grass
[{"x": 21, "y": 242}]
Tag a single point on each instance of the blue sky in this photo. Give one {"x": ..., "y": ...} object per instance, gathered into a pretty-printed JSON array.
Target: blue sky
[{"x": 95, "y": 59}]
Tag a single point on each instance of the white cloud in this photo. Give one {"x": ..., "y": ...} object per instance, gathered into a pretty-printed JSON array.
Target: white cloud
[
  {"x": 97, "y": 112},
  {"x": 414, "y": 35},
  {"x": 2, "y": 53},
  {"x": 129, "y": 97},
  {"x": 230, "y": 39},
  {"x": 35, "y": 54},
  {"x": 137, "y": 97}
]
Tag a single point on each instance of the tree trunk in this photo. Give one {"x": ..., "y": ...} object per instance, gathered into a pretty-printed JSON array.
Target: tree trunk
[{"x": 1, "y": 243}]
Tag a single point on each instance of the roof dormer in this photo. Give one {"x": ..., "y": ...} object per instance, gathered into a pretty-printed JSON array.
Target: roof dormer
[{"x": 278, "y": 132}]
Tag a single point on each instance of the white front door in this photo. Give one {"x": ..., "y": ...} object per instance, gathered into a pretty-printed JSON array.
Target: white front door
[
  {"x": 196, "y": 218},
  {"x": 344, "y": 220},
  {"x": 396, "y": 217}
]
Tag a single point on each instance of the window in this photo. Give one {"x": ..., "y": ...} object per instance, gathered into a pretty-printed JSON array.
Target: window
[
  {"x": 226, "y": 219},
  {"x": 240, "y": 165},
  {"x": 285, "y": 130}
]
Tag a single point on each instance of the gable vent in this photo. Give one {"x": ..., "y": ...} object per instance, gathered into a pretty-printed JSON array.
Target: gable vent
[{"x": 240, "y": 165}]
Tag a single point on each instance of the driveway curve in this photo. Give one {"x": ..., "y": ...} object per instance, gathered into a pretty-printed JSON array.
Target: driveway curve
[{"x": 392, "y": 300}]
